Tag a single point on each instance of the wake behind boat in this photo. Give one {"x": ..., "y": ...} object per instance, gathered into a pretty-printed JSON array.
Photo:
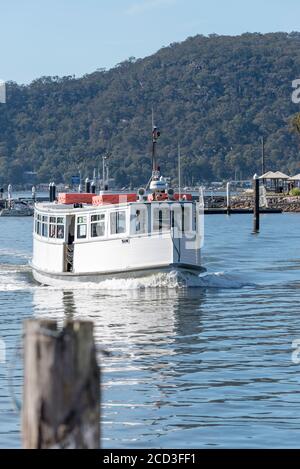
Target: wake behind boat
[{"x": 88, "y": 238}]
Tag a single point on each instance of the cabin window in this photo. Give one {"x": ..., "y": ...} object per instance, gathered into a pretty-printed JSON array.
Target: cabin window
[
  {"x": 38, "y": 225},
  {"x": 182, "y": 218},
  {"x": 60, "y": 228},
  {"x": 118, "y": 222},
  {"x": 176, "y": 217},
  {"x": 52, "y": 227},
  {"x": 81, "y": 227},
  {"x": 56, "y": 227},
  {"x": 186, "y": 219},
  {"x": 52, "y": 231},
  {"x": 98, "y": 225},
  {"x": 60, "y": 232},
  {"x": 161, "y": 219},
  {"x": 45, "y": 226},
  {"x": 140, "y": 221}
]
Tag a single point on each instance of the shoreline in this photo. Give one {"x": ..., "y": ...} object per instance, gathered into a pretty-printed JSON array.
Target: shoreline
[{"x": 284, "y": 204}]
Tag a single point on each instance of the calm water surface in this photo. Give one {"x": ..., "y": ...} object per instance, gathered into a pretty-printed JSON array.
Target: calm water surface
[{"x": 205, "y": 365}]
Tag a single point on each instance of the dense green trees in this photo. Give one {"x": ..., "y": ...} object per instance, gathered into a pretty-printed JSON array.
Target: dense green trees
[{"x": 216, "y": 95}]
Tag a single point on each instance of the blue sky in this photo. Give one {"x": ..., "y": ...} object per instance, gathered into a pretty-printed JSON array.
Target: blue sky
[{"x": 74, "y": 37}]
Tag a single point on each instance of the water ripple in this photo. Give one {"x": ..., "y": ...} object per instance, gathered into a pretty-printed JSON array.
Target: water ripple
[{"x": 208, "y": 366}]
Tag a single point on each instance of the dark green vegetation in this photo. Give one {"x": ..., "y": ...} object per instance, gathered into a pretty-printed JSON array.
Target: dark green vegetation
[
  {"x": 295, "y": 192},
  {"x": 216, "y": 95}
]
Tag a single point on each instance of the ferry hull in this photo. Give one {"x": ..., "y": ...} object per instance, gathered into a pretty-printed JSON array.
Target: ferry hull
[{"x": 68, "y": 279}]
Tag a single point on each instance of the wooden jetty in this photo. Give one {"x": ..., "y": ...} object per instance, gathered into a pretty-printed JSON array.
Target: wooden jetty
[{"x": 239, "y": 211}]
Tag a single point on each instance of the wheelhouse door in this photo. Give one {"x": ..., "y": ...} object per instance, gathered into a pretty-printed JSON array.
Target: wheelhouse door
[{"x": 69, "y": 245}]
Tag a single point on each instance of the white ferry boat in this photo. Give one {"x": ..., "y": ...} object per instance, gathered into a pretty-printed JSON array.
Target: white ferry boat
[{"x": 89, "y": 238}]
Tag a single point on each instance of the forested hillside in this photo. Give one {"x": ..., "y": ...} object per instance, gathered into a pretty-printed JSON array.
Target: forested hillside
[{"x": 215, "y": 95}]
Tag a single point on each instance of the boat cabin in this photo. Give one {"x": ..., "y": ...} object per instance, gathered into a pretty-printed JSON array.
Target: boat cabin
[
  {"x": 70, "y": 238},
  {"x": 63, "y": 224}
]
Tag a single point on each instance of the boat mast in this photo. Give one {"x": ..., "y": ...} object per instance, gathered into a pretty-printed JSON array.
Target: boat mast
[
  {"x": 105, "y": 171},
  {"x": 155, "y": 137},
  {"x": 179, "y": 171}
]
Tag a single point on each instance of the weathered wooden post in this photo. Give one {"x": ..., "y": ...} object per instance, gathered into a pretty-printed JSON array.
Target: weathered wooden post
[
  {"x": 61, "y": 397},
  {"x": 228, "y": 201},
  {"x": 256, "y": 210}
]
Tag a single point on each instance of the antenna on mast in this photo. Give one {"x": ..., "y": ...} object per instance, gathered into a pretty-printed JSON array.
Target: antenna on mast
[
  {"x": 152, "y": 117},
  {"x": 179, "y": 171},
  {"x": 155, "y": 137},
  {"x": 155, "y": 168}
]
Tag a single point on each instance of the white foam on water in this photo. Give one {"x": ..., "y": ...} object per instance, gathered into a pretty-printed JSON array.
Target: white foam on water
[
  {"x": 172, "y": 280},
  {"x": 223, "y": 280},
  {"x": 13, "y": 268},
  {"x": 13, "y": 284},
  {"x": 160, "y": 280},
  {"x": 15, "y": 278}
]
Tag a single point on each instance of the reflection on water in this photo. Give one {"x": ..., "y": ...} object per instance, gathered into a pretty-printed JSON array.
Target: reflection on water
[
  {"x": 203, "y": 363},
  {"x": 143, "y": 322},
  {"x": 144, "y": 331},
  {"x": 185, "y": 364}
]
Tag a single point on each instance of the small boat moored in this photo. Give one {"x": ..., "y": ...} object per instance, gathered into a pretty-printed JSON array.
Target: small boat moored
[{"x": 17, "y": 210}]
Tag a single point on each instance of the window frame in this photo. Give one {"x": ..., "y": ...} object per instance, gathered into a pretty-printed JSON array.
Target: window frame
[
  {"x": 187, "y": 209},
  {"x": 45, "y": 225},
  {"x": 100, "y": 221},
  {"x": 162, "y": 227},
  {"x": 84, "y": 222},
  {"x": 144, "y": 221},
  {"x": 118, "y": 234}
]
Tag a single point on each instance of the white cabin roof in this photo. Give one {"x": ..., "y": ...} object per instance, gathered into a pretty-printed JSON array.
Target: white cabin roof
[
  {"x": 69, "y": 209},
  {"x": 66, "y": 209}
]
